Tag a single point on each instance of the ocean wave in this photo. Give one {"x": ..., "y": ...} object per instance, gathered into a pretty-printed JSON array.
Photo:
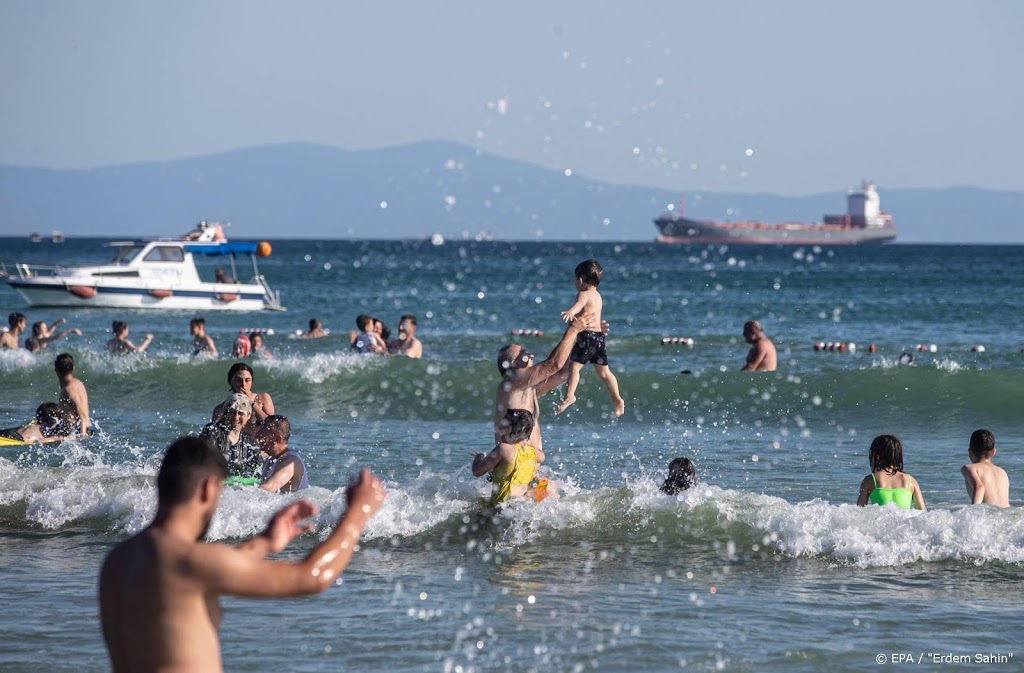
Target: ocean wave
[{"x": 446, "y": 512}]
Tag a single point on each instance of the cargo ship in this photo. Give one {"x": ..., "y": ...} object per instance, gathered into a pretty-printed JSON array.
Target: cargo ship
[{"x": 863, "y": 222}]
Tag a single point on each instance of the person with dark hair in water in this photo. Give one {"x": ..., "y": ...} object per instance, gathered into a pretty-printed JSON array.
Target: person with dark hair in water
[
  {"x": 50, "y": 424},
  {"x": 284, "y": 470},
  {"x": 16, "y": 322},
  {"x": 888, "y": 483},
  {"x": 73, "y": 396},
  {"x": 316, "y": 330},
  {"x": 406, "y": 344},
  {"x": 513, "y": 462},
  {"x": 42, "y": 335},
  {"x": 202, "y": 343},
  {"x": 119, "y": 344},
  {"x": 367, "y": 339},
  {"x": 240, "y": 378},
  {"x": 681, "y": 476},
  {"x": 159, "y": 590}
]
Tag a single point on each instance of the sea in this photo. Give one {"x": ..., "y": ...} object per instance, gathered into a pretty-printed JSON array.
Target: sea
[{"x": 766, "y": 565}]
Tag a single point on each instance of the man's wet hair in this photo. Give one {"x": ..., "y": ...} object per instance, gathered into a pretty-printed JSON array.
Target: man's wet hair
[
  {"x": 409, "y": 318},
  {"x": 364, "y": 322},
  {"x": 590, "y": 272},
  {"x": 187, "y": 463},
  {"x": 54, "y": 420},
  {"x": 313, "y": 324},
  {"x": 983, "y": 443},
  {"x": 15, "y": 318},
  {"x": 194, "y": 322},
  {"x": 64, "y": 364},
  {"x": 516, "y": 425},
  {"x": 278, "y": 424},
  {"x": 118, "y": 327},
  {"x": 886, "y": 454},
  {"x": 681, "y": 476}
]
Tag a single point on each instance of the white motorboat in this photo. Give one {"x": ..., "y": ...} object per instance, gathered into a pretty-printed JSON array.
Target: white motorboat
[{"x": 153, "y": 274}]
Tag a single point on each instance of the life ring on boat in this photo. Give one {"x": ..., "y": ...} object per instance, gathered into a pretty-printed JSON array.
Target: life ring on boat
[
  {"x": 82, "y": 291},
  {"x": 161, "y": 294},
  {"x": 227, "y": 297}
]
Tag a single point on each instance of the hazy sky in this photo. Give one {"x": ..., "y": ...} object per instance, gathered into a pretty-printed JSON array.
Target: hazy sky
[{"x": 794, "y": 96}]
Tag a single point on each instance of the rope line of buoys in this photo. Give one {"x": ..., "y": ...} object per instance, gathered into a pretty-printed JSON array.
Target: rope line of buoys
[
  {"x": 684, "y": 341},
  {"x": 528, "y": 332},
  {"x": 269, "y": 331},
  {"x": 840, "y": 346}
]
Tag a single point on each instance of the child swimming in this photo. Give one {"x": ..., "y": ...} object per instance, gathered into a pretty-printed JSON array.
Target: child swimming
[
  {"x": 681, "y": 476},
  {"x": 888, "y": 483}
]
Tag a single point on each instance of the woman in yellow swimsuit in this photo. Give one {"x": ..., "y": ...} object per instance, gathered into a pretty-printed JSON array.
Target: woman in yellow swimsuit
[
  {"x": 513, "y": 463},
  {"x": 888, "y": 483}
]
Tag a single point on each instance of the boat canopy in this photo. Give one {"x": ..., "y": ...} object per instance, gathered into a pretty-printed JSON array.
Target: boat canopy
[{"x": 229, "y": 248}]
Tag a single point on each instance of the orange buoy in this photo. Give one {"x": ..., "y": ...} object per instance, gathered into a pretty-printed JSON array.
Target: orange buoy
[
  {"x": 161, "y": 294},
  {"x": 227, "y": 296},
  {"x": 263, "y": 249},
  {"x": 82, "y": 291}
]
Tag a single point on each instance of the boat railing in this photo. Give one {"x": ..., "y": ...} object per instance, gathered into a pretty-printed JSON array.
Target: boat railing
[
  {"x": 273, "y": 297},
  {"x": 19, "y": 270}
]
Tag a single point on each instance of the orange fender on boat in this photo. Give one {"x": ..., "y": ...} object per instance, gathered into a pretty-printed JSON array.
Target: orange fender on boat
[{"x": 82, "y": 291}]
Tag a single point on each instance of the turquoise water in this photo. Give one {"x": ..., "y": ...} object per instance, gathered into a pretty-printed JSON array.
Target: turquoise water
[{"x": 765, "y": 566}]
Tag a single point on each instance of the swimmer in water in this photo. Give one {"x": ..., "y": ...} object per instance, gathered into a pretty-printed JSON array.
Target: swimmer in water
[{"x": 888, "y": 483}]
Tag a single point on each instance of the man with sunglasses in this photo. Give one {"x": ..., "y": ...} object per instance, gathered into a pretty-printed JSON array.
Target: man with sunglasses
[{"x": 523, "y": 382}]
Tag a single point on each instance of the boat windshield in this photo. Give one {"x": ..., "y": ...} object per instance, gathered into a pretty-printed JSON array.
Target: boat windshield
[{"x": 126, "y": 253}]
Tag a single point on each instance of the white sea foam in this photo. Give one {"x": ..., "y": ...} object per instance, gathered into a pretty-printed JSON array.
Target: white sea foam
[
  {"x": 322, "y": 366},
  {"x": 122, "y": 498}
]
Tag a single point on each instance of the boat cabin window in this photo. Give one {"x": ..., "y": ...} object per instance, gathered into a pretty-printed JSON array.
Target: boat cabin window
[
  {"x": 165, "y": 253},
  {"x": 126, "y": 253}
]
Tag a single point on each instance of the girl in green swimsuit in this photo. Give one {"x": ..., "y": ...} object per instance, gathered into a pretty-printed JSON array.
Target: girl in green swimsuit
[{"x": 888, "y": 483}]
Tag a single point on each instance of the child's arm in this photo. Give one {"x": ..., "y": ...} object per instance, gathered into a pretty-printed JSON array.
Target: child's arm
[
  {"x": 485, "y": 462},
  {"x": 918, "y": 496},
  {"x": 866, "y": 487},
  {"x": 975, "y": 488},
  {"x": 571, "y": 312}
]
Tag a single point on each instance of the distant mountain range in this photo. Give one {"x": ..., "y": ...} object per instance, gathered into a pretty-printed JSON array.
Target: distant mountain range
[{"x": 414, "y": 191}]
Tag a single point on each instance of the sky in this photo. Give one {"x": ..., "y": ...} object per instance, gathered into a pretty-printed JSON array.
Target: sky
[{"x": 793, "y": 97}]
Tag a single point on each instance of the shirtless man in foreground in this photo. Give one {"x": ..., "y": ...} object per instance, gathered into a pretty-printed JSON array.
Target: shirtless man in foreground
[
  {"x": 73, "y": 396},
  {"x": 159, "y": 590},
  {"x": 761, "y": 357},
  {"x": 523, "y": 382}
]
